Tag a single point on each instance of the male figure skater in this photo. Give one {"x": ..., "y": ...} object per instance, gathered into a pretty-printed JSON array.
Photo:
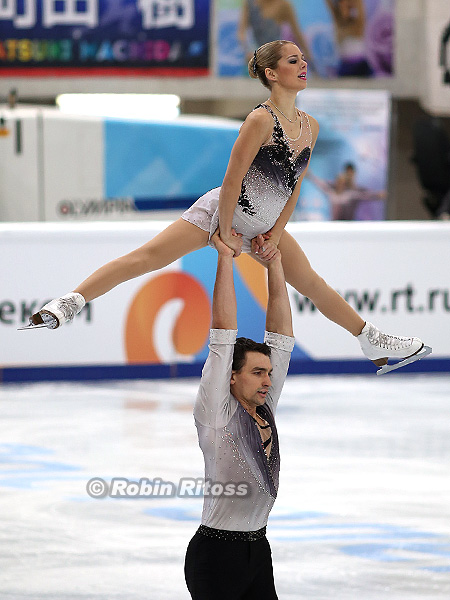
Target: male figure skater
[{"x": 229, "y": 556}]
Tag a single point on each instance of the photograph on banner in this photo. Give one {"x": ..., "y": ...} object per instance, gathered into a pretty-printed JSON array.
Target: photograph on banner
[
  {"x": 444, "y": 59},
  {"x": 436, "y": 96},
  {"x": 340, "y": 38},
  {"x": 347, "y": 178},
  {"x": 164, "y": 35}
]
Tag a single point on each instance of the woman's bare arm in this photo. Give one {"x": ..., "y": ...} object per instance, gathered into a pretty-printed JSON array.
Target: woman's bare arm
[
  {"x": 290, "y": 17},
  {"x": 243, "y": 25},
  {"x": 360, "y": 18},
  {"x": 256, "y": 129}
]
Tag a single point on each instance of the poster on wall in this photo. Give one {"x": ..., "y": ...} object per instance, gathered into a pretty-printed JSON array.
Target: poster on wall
[
  {"x": 129, "y": 169},
  {"x": 120, "y": 37},
  {"x": 435, "y": 94},
  {"x": 340, "y": 38},
  {"x": 348, "y": 174},
  {"x": 444, "y": 60}
]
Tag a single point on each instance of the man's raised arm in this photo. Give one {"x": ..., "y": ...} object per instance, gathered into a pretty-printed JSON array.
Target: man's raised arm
[
  {"x": 224, "y": 296},
  {"x": 279, "y": 331},
  {"x": 279, "y": 316},
  {"x": 212, "y": 402}
]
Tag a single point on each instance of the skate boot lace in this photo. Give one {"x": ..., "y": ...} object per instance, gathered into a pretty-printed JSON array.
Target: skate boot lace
[
  {"x": 68, "y": 307},
  {"x": 390, "y": 342}
]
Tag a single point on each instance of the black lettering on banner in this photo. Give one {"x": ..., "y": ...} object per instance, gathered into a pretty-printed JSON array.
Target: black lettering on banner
[
  {"x": 446, "y": 300},
  {"x": 407, "y": 293},
  {"x": 7, "y": 309},
  {"x": 27, "y": 309},
  {"x": 364, "y": 300},
  {"x": 399, "y": 300},
  {"x": 431, "y": 296},
  {"x": 74, "y": 208},
  {"x": 86, "y": 312},
  {"x": 303, "y": 303},
  {"x": 19, "y": 313}
]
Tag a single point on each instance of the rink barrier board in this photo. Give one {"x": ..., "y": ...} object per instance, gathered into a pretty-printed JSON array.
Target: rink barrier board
[
  {"x": 120, "y": 372},
  {"x": 130, "y": 333}
]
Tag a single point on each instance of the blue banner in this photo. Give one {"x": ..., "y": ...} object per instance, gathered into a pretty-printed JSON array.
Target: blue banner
[
  {"x": 166, "y": 35},
  {"x": 165, "y": 165}
]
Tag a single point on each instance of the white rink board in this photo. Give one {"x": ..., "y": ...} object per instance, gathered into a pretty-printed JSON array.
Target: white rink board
[{"x": 401, "y": 267}]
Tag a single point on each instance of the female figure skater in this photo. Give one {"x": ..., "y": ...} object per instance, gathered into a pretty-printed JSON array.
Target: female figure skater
[
  {"x": 349, "y": 25},
  {"x": 258, "y": 195}
]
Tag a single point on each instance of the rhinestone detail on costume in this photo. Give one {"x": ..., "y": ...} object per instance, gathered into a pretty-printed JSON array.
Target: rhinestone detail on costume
[{"x": 274, "y": 172}]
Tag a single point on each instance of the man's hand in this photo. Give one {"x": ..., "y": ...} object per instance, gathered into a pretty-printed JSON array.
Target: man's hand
[
  {"x": 264, "y": 248},
  {"x": 225, "y": 249},
  {"x": 234, "y": 241}
]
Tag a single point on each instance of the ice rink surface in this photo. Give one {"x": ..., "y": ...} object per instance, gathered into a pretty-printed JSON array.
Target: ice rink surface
[{"x": 363, "y": 511}]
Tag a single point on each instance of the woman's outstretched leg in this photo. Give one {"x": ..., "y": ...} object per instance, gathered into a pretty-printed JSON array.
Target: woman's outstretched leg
[
  {"x": 177, "y": 240},
  {"x": 376, "y": 346},
  {"x": 300, "y": 275}
]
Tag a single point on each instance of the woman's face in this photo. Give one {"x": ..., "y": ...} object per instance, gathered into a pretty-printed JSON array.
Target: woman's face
[{"x": 291, "y": 70}]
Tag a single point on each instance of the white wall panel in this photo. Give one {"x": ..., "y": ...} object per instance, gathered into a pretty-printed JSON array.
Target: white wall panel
[
  {"x": 73, "y": 161},
  {"x": 20, "y": 155}
]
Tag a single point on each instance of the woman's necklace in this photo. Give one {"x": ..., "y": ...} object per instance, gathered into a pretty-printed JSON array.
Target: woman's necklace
[
  {"x": 281, "y": 112},
  {"x": 299, "y": 133}
]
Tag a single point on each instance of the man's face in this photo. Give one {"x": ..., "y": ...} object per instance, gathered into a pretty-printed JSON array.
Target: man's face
[{"x": 250, "y": 385}]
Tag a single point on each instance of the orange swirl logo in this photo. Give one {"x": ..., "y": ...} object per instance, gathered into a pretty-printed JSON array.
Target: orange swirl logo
[
  {"x": 168, "y": 320},
  {"x": 255, "y": 278}
]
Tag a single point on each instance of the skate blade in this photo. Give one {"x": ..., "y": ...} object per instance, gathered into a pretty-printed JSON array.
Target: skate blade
[
  {"x": 31, "y": 326},
  {"x": 425, "y": 351}
]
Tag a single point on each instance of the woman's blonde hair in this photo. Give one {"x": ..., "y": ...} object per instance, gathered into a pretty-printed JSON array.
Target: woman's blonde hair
[{"x": 266, "y": 57}]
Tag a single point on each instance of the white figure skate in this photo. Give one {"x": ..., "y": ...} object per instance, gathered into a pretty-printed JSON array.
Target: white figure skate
[
  {"x": 379, "y": 347},
  {"x": 57, "y": 312}
]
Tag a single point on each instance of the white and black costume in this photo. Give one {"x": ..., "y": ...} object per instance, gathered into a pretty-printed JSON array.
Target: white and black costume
[{"x": 266, "y": 187}]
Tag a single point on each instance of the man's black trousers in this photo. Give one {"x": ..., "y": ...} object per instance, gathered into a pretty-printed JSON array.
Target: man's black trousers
[{"x": 220, "y": 569}]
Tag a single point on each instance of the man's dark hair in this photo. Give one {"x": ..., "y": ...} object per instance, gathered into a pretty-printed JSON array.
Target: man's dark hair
[{"x": 244, "y": 345}]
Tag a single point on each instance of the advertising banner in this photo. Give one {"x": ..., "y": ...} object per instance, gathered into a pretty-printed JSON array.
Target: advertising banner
[
  {"x": 435, "y": 94},
  {"x": 166, "y": 165},
  {"x": 160, "y": 322},
  {"x": 127, "y": 169},
  {"x": 120, "y": 37},
  {"x": 340, "y": 38},
  {"x": 82, "y": 168},
  {"x": 348, "y": 175}
]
